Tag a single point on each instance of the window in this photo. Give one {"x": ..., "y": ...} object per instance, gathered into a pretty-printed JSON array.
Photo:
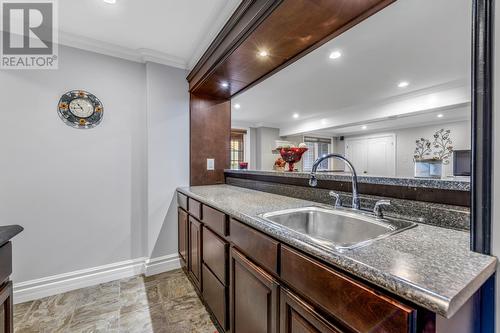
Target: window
[
  {"x": 317, "y": 147},
  {"x": 237, "y": 147}
]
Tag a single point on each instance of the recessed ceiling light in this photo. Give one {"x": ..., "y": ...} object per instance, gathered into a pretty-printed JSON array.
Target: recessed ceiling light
[
  {"x": 296, "y": 115},
  {"x": 263, "y": 53},
  {"x": 440, "y": 115},
  {"x": 237, "y": 106},
  {"x": 364, "y": 127},
  {"x": 335, "y": 55},
  {"x": 225, "y": 84},
  {"x": 403, "y": 84},
  {"x": 110, "y": 1}
]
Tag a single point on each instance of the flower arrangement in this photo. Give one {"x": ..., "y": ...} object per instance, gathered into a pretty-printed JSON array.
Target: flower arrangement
[
  {"x": 439, "y": 150},
  {"x": 423, "y": 149},
  {"x": 443, "y": 144}
]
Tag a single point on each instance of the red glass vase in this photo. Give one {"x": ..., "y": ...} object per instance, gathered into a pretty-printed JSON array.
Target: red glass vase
[{"x": 292, "y": 156}]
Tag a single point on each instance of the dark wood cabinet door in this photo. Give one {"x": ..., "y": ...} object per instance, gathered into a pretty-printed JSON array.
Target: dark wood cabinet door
[
  {"x": 253, "y": 297},
  {"x": 195, "y": 246},
  {"x": 7, "y": 308},
  {"x": 183, "y": 235},
  {"x": 296, "y": 316}
]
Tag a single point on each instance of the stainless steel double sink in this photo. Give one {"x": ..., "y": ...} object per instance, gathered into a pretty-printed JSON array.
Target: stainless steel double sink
[{"x": 341, "y": 229}]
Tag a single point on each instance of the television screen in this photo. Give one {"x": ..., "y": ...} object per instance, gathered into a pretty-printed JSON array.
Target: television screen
[{"x": 461, "y": 162}]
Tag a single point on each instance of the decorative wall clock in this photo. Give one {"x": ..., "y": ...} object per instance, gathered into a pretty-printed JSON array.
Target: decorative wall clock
[{"x": 80, "y": 109}]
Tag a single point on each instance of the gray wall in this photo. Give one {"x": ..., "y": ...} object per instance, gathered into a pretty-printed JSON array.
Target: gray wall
[
  {"x": 405, "y": 144},
  {"x": 82, "y": 195},
  {"x": 265, "y": 142},
  {"x": 253, "y": 148},
  {"x": 168, "y": 153}
]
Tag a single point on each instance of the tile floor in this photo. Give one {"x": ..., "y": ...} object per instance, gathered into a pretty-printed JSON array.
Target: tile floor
[{"x": 164, "y": 303}]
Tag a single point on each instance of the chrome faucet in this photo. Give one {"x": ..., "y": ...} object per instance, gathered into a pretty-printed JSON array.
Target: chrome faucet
[{"x": 313, "y": 181}]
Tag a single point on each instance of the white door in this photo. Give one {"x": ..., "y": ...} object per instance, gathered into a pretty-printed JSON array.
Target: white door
[
  {"x": 380, "y": 157},
  {"x": 356, "y": 152},
  {"x": 373, "y": 155}
]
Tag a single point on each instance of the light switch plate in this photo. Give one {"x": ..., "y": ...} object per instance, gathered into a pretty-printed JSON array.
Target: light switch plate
[{"x": 210, "y": 164}]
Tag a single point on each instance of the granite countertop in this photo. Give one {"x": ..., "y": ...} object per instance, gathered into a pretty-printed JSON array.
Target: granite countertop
[
  {"x": 7, "y": 232},
  {"x": 456, "y": 183},
  {"x": 430, "y": 266}
]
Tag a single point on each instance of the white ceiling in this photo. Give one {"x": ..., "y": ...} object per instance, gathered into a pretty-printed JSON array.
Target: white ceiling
[
  {"x": 167, "y": 31},
  {"x": 424, "y": 42},
  {"x": 430, "y": 118}
]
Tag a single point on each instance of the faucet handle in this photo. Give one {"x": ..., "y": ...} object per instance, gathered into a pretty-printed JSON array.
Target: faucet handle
[
  {"x": 377, "y": 210},
  {"x": 338, "y": 200}
]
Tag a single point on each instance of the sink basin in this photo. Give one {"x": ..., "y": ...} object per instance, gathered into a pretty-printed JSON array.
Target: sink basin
[{"x": 341, "y": 229}]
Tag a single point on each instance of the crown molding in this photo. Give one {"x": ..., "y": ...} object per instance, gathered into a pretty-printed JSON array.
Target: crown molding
[
  {"x": 148, "y": 55},
  {"x": 113, "y": 50},
  {"x": 213, "y": 30},
  {"x": 144, "y": 55}
]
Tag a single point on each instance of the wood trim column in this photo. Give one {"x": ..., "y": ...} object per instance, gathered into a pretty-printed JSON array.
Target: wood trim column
[{"x": 210, "y": 133}]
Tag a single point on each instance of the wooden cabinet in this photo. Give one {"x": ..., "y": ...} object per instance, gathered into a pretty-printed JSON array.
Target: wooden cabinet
[
  {"x": 215, "y": 275},
  {"x": 215, "y": 295},
  {"x": 6, "y": 304},
  {"x": 296, "y": 316},
  {"x": 261, "y": 248},
  {"x": 253, "y": 297},
  {"x": 215, "y": 254},
  {"x": 183, "y": 236},
  {"x": 194, "y": 208},
  {"x": 195, "y": 251},
  {"x": 215, "y": 220},
  {"x": 182, "y": 201},
  {"x": 238, "y": 270},
  {"x": 6, "y": 308},
  {"x": 356, "y": 306}
]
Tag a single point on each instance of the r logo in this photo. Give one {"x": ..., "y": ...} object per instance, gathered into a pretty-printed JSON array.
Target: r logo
[
  {"x": 27, "y": 28},
  {"x": 29, "y": 34}
]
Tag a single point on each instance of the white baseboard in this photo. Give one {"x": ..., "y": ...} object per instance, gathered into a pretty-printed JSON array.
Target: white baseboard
[
  {"x": 162, "y": 264},
  {"x": 56, "y": 284}
]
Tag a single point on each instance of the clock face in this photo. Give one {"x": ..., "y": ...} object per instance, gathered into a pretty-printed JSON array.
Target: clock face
[{"x": 81, "y": 107}]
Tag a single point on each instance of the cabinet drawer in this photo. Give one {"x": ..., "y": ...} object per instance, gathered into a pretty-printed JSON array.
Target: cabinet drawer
[
  {"x": 5, "y": 262},
  {"x": 182, "y": 201},
  {"x": 215, "y": 253},
  {"x": 259, "y": 247},
  {"x": 214, "y": 219},
  {"x": 215, "y": 295},
  {"x": 194, "y": 208},
  {"x": 356, "y": 306}
]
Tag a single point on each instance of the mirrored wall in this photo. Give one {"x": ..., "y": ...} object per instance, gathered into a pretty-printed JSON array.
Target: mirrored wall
[{"x": 393, "y": 98}]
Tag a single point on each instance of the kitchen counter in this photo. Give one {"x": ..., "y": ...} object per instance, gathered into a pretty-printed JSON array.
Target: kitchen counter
[
  {"x": 453, "y": 184},
  {"x": 8, "y": 232},
  {"x": 429, "y": 266}
]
